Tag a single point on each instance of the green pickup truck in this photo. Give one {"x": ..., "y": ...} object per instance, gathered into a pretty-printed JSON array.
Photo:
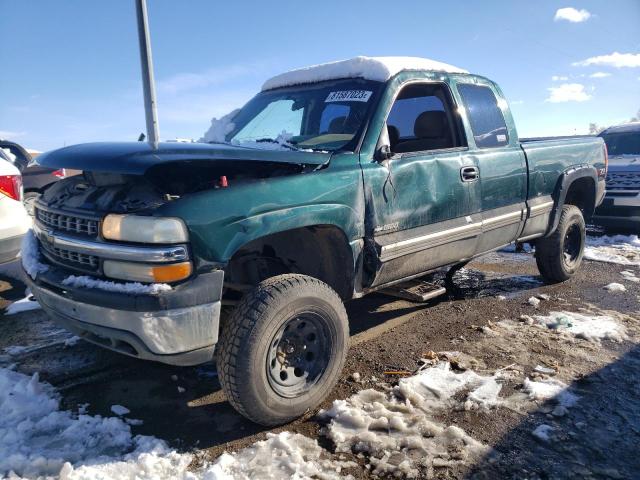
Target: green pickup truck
[{"x": 334, "y": 181}]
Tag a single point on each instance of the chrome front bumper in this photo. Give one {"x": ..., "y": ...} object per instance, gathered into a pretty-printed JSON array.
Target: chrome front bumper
[{"x": 180, "y": 336}]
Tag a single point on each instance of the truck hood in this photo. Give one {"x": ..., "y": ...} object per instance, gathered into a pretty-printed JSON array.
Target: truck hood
[
  {"x": 137, "y": 157},
  {"x": 624, "y": 163}
]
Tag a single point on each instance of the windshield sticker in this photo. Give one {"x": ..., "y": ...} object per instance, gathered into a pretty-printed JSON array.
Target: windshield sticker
[{"x": 349, "y": 96}]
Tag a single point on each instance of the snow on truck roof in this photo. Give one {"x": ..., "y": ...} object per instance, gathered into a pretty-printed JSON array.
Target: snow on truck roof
[{"x": 370, "y": 68}]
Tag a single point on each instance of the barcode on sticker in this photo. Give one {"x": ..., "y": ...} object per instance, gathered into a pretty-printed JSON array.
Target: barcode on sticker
[{"x": 349, "y": 96}]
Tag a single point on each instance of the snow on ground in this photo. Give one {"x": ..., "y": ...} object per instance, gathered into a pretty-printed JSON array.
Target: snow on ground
[
  {"x": 378, "y": 69},
  {"x": 589, "y": 327},
  {"x": 548, "y": 389},
  {"x": 120, "y": 410},
  {"x": 621, "y": 249},
  {"x": 397, "y": 429},
  {"x": 23, "y": 305},
  {"x": 281, "y": 456},
  {"x": 630, "y": 276},
  {"x": 37, "y": 439},
  {"x": 615, "y": 287},
  {"x": 84, "y": 281},
  {"x": 31, "y": 255},
  {"x": 543, "y": 432}
]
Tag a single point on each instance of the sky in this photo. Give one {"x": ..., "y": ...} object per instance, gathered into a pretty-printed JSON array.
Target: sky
[{"x": 70, "y": 70}]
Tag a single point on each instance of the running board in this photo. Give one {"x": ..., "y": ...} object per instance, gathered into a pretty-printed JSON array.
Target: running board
[{"x": 414, "y": 291}]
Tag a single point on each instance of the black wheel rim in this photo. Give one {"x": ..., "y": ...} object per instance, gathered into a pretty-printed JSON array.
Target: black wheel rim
[
  {"x": 298, "y": 354},
  {"x": 572, "y": 245}
]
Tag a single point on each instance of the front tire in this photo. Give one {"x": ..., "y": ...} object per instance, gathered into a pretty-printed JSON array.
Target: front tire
[
  {"x": 559, "y": 256},
  {"x": 282, "y": 350}
]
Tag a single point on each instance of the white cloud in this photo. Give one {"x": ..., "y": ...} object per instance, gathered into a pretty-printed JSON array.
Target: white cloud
[
  {"x": 615, "y": 59},
  {"x": 600, "y": 75},
  {"x": 568, "y": 92},
  {"x": 517, "y": 102},
  {"x": 571, "y": 14},
  {"x": 559, "y": 78},
  {"x": 6, "y": 134}
]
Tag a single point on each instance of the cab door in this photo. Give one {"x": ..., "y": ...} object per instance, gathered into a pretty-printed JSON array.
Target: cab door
[
  {"x": 501, "y": 163},
  {"x": 419, "y": 201}
]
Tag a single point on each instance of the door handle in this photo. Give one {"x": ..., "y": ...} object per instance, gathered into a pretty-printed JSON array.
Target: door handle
[{"x": 469, "y": 174}]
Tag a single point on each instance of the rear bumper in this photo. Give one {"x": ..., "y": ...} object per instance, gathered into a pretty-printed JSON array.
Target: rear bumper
[{"x": 179, "y": 327}]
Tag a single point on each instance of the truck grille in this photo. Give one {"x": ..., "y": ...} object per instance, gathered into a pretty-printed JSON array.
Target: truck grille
[
  {"x": 67, "y": 223},
  {"x": 623, "y": 184},
  {"x": 79, "y": 260}
]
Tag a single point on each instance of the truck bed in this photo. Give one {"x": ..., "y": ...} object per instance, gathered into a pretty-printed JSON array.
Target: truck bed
[{"x": 548, "y": 158}]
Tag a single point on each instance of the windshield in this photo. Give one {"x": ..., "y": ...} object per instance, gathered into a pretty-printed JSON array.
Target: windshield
[
  {"x": 325, "y": 116},
  {"x": 622, "y": 143}
]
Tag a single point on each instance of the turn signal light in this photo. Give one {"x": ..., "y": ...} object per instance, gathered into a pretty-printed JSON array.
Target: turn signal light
[
  {"x": 145, "y": 272},
  {"x": 172, "y": 272}
]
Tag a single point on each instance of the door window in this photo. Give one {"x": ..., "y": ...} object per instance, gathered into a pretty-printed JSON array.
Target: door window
[
  {"x": 421, "y": 119},
  {"x": 486, "y": 119}
]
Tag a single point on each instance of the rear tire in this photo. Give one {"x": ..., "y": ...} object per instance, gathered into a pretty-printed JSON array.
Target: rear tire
[
  {"x": 282, "y": 350},
  {"x": 559, "y": 255}
]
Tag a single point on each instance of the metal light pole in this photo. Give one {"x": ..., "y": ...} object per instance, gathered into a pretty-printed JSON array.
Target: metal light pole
[{"x": 148, "y": 84}]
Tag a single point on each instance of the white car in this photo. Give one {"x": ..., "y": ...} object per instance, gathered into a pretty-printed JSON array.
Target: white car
[{"x": 14, "y": 220}]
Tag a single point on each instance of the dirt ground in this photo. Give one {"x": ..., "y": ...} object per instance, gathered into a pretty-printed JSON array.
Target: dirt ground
[{"x": 479, "y": 318}]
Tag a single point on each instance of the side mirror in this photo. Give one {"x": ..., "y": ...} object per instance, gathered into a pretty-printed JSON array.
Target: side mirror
[
  {"x": 384, "y": 153},
  {"x": 383, "y": 148}
]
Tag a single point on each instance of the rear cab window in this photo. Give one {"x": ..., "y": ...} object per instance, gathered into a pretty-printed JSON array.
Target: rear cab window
[{"x": 485, "y": 116}]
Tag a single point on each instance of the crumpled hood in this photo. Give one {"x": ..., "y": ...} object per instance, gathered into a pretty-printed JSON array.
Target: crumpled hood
[
  {"x": 624, "y": 163},
  {"x": 137, "y": 157}
]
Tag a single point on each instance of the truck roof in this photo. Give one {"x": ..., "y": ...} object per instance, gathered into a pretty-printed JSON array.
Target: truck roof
[
  {"x": 624, "y": 128},
  {"x": 370, "y": 68}
]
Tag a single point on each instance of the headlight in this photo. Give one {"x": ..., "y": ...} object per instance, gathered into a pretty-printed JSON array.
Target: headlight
[
  {"x": 144, "y": 272},
  {"x": 135, "y": 228}
]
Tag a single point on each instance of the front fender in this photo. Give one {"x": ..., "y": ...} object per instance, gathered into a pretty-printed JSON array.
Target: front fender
[{"x": 251, "y": 228}]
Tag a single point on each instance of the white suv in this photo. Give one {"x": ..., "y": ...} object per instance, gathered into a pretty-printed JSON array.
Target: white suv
[{"x": 14, "y": 221}]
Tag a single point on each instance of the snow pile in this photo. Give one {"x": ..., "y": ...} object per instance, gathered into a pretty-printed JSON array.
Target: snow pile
[
  {"x": 220, "y": 128},
  {"x": 23, "y": 305},
  {"x": 281, "y": 456},
  {"x": 37, "y": 439},
  {"x": 397, "y": 429},
  {"x": 549, "y": 389},
  {"x": 378, "y": 69},
  {"x": 133, "y": 288},
  {"x": 588, "y": 327},
  {"x": 31, "y": 255},
  {"x": 621, "y": 249},
  {"x": 615, "y": 287}
]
